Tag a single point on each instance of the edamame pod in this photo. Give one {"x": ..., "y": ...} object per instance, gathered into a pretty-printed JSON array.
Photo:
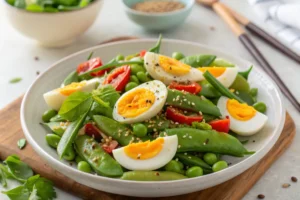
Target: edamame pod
[
  {"x": 152, "y": 176},
  {"x": 103, "y": 164}
]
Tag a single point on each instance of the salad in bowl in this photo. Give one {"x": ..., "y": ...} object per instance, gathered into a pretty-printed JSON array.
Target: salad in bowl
[{"x": 151, "y": 117}]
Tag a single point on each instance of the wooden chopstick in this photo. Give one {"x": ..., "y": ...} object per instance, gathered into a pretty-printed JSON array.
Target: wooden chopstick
[
  {"x": 263, "y": 34},
  {"x": 247, "y": 42}
]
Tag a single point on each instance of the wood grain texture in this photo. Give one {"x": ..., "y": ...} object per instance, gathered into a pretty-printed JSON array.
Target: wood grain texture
[{"x": 11, "y": 132}]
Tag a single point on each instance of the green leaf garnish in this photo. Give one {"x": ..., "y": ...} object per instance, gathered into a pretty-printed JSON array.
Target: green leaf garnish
[
  {"x": 21, "y": 143},
  {"x": 15, "y": 80},
  {"x": 18, "y": 169}
]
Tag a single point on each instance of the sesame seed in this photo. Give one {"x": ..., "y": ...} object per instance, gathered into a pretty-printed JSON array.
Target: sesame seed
[
  {"x": 185, "y": 154},
  {"x": 179, "y": 146},
  {"x": 190, "y": 137},
  {"x": 190, "y": 157}
]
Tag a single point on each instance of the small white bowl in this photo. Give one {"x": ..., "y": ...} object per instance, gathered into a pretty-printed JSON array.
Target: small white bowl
[
  {"x": 53, "y": 29},
  {"x": 33, "y": 106}
]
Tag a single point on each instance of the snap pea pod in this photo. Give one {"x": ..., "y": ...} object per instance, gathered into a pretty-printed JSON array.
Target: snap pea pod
[
  {"x": 156, "y": 48},
  {"x": 56, "y": 127},
  {"x": 157, "y": 124},
  {"x": 198, "y": 60},
  {"x": 208, "y": 90},
  {"x": 115, "y": 129},
  {"x": 70, "y": 134},
  {"x": 191, "y": 160},
  {"x": 246, "y": 73},
  {"x": 72, "y": 77},
  {"x": 219, "y": 62},
  {"x": 221, "y": 88},
  {"x": 190, "y": 139},
  {"x": 245, "y": 96},
  {"x": 191, "y": 102},
  {"x": 57, "y": 118},
  {"x": 103, "y": 164},
  {"x": 98, "y": 109},
  {"x": 152, "y": 176},
  {"x": 240, "y": 84}
]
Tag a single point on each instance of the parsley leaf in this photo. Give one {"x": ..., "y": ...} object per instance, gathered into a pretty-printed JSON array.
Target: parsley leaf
[
  {"x": 21, "y": 143},
  {"x": 18, "y": 169}
]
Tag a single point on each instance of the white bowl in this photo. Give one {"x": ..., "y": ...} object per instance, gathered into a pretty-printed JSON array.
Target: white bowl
[
  {"x": 33, "y": 107},
  {"x": 53, "y": 29}
]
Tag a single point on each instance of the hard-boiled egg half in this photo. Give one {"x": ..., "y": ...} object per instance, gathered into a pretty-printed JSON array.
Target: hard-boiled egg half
[
  {"x": 55, "y": 98},
  {"x": 167, "y": 69},
  {"x": 226, "y": 75},
  {"x": 244, "y": 119},
  {"x": 141, "y": 103},
  {"x": 147, "y": 155}
]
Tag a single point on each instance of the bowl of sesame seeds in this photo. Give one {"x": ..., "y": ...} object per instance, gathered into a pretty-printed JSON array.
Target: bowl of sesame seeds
[{"x": 157, "y": 15}]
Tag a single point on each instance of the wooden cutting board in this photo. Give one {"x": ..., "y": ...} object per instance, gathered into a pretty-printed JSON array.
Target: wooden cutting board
[{"x": 11, "y": 132}]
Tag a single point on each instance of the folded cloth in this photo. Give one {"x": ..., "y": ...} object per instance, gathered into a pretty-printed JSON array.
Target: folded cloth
[{"x": 282, "y": 19}]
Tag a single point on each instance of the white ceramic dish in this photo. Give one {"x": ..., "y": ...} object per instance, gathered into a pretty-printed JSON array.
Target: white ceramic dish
[
  {"x": 33, "y": 106},
  {"x": 53, "y": 29}
]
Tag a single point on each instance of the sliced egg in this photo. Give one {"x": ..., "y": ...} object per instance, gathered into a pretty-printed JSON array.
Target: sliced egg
[
  {"x": 147, "y": 155},
  {"x": 141, "y": 103},
  {"x": 244, "y": 119},
  {"x": 167, "y": 69},
  {"x": 55, "y": 98},
  {"x": 226, "y": 75}
]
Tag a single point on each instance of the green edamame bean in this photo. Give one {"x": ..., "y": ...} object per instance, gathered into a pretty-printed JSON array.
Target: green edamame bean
[
  {"x": 135, "y": 68},
  {"x": 220, "y": 165},
  {"x": 260, "y": 107},
  {"x": 84, "y": 167},
  {"x": 142, "y": 77},
  {"x": 140, "y": 130},
  {"x": 48, "y": 115},
  {"x": 120, "y": 57},
  {"x": 210, "y": 158},
  {"x": 253, "y": 92},
  {"x": 133, "y": 78},
  {"x": 70, "y": 154},
  {"x": 52, "y": 140},
  {"x": 78, "y": 159},
  {"x": 174, "y": 166},
  {"x": 130, "y": 86},
  {"x": 177, "y": 55},
  {"x": 194, "y": 172}
]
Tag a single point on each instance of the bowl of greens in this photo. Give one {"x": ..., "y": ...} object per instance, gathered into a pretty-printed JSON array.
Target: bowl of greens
[
  {"x": 53, "y": 23},
  {"x": 160, "y": 119}
]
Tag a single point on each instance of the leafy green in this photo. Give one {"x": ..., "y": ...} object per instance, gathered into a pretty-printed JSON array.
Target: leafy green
[
  {"x": 245, "y": 74},
  {"x": 15, "y": 80},
  {"x": 21, "y": 143},
  {"x": 55, "y": 127},
  {"x": 71, "y": 133},
  {"x": 156, "y": 48},
  {"x": 18, "y": 193},
  {"x": 3, "y": 176},
  {"x": 71, "y": 78},
  {"x": 18, "y": 169},
  {"x": 75, "y": 105},
  {"x": 57, "y": 118},
  {"x": 208, "y": 90},
  {"x": 198, "y": 60}
]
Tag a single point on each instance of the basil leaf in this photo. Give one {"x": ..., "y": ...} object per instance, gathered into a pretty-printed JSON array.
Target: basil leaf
[
  {"x": 198, "y": 60},
  {"x": 71, "y": 78},
  {"x": 71, "y": 133},
  {"x": 21, "y": 143},
  {"x": 19, "y": 170},
  {"x": 156, "y": 48},
  {"x": 75, "y": 105},
  {"x": 18, "y": 193}
]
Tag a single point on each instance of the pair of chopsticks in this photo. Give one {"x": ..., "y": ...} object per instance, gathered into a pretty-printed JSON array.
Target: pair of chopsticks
[{"x": 233, "y": 19}]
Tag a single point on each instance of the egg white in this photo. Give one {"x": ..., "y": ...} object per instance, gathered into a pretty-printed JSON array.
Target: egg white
[
  {"x": 161, "y": 159},
  {"x": 228, "y": 77},
  {"x": 55, "y": 99},
  {"x": 243, "y": 128},
  {"x": 152, "y": 59}
]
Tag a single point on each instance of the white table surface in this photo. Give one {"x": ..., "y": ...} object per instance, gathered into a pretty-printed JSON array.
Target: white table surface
[{"x": 17, "y": 60}]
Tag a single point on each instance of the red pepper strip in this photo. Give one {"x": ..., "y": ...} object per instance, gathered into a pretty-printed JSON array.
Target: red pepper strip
[
  {"x": 91, "y": 130},
  {"x": 118, "y": 78},
  {"x": 142, "y": 53},
  {"x": 110, "y": 147},
  {"x": 176, "y": 115},
  {"x": 91, "y": 64},
  {"x": 193, "y": 87},
  {"x": 221, "y": 125}
]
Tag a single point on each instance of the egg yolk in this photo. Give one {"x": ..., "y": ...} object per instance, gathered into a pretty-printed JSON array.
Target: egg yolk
[
  {"x": 215, "y": 71},
  {"x": 240, "y": 111},
  {"x": 136, "y": 102},
  {"x": 173, "y": 66},
  {"x": 71, "y": 88},
  {"x": 144, "y": 150}
]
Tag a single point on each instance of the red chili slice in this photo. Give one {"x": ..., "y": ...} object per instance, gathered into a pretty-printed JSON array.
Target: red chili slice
[
  {"x": 176, "y": 115},
  {"x": 193, "y": 87}
]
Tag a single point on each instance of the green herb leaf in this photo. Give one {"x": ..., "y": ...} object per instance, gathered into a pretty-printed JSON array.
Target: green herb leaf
[
  {"x": 91, "y": 54},
  {"x": 15, "y": 80},
  {"x": 3, "y": 176},
  {"x": 198, "y": 60},
  {"x": 71, "y": 78},
  {"x": 19, "y": 170},
  {"x": 75, "y": 105},
  {"x": 71, "y": 133},
  {"x": 18, "y": 193},
  {"x": 156, "y": 48},
  {"x": 21, "y": 143},
  {"x": 41, "y": 186}
]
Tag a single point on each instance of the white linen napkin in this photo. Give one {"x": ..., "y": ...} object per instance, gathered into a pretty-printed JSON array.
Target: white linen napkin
[{"x": 282, "y": 18}]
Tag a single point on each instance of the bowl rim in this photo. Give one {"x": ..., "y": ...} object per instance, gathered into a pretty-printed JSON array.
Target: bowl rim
[
  {"x": 244, "y": 164},
  {"x": 187, "y": 7},
  {"x": 50, "y": 13}
]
